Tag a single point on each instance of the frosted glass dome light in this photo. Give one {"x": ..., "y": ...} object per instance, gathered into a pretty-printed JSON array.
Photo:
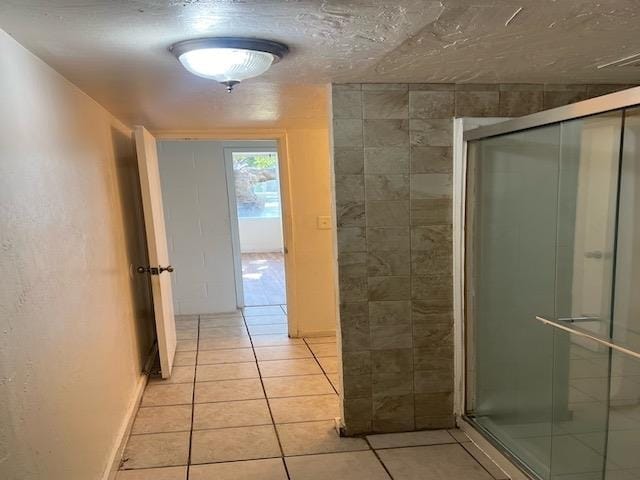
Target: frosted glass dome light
[{"x": 228, "y": 60}]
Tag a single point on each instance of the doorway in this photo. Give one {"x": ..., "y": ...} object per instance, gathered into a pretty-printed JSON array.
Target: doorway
[{"x": 255, "y": 200}]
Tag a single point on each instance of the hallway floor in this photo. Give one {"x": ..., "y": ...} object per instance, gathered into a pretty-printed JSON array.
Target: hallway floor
[
  {"x": 246, "y": 402},
  {"x": 263, "y": 279}
]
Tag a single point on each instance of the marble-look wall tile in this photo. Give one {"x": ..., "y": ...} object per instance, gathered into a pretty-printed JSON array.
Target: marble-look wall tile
[
  {"x": 393, "y": 413},
  {"x": 477, "y": 103},
  {"x": 350, "y": 214},
  {"x": 355, "y": 333},
  {"x": 389, "y": 288},
  {"x": 352, "y": 272},
  {"x": 431, "y": 132},
  {"x": 390, "y": 325},
  {"x": 431, "y": 159},
  {"x": 431, "y": 211},
  {"x": 393, "y": 184},
  {"x": 386, "y": 159},
  {"x": 515, "y": 103},
  {"x": 348, "y": 160},
  {"x": 431, "y": 186},
  {"x": 358, "y": 415},
  {"x": 388, "y": 213},
  {"x": 385, "y": 86},
  {"x": 347, "y": 103},
  {"x": 384, "y": 263},
  {"x": 393, "y": 239},
  {"x": 431, "y": 104},
  {"x": 386, "y": 104},
  {"x": 351, "y": 239},
  {"x": 386, "y": 133},
  {"x": 387, "y": 187},
  {"x": 347, "y": 132}
]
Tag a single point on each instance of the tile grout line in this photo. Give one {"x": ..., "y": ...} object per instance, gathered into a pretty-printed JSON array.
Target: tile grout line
[
  {"x": 320, "y": 365},
  {"x": 378, "y": 457},
  {"x": 266, "y": 399},
  {"x": 478, "y": 461},
  {"x": 193, "y": 399}
]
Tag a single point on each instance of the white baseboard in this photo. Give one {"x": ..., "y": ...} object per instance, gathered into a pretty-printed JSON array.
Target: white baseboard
[{"x": 120, "y": 443}]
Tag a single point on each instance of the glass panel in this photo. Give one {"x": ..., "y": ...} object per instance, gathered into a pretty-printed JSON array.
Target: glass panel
[
  {"x": 580, "y": 414},
  {"x": 513, "y": 208},
  {"x": 589, "y": 159},
  {"x": 623, "y": 442},
  {"x": 257, "y": 184},
  {"x": 626, "y": 328}
]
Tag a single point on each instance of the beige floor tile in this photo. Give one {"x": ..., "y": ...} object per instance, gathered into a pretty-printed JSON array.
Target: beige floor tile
[
  {"x": 275, "y": 340},
  {"x": 325, "y": 339},
  {"x": 233, "y": 355},
  {"x": 267, "y": 320},
  {"x": 222, "y": 343},
  {"x": 304, "y": 409},
  {"x": 485, "y": 461},
  {"x": 186, "y": 345},
  {"x": 268, "y": 469},
  {"x": 283, "y": 368},
  {"x": 316, "y": 437},
  {"x": 267, "y": 329},
  {"x": 164, "y": 473},
  {"x": 459, "y": 435},
  {"x": 228, "y": 390},
  {"x": 231, "y": 444},
  {"x": 297, "y": 386},
  {"x": 329, "y": 364},
  {"x": 187, "y": 334},
  {"x": 160, "y": 395},
  {"x": 324, "y": 349},
  {"x": 286, "y": 352},
  {"x": 178, "y": 375},
  {"x": 242, "y": 413},
  {"x": 436, "y": 462},
  {"x": 175, "y": 418},
  {"x": 336, "y": 466},
  {"x": 334, "y": 378},
  {"x": 223, "y": 332},
  {"x": 410, "y": 439},
  {"x": 221, "y": 322},
  {"x": 266, "y": 310},
  {"x": 234, "y": 313},
  {"x": 156, "y": 450},
  {"x": 226, "y": 371},
  {"x": 184, "y": 359}
]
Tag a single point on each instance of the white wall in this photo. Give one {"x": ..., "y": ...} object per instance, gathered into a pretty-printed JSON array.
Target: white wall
[
  {"x": 75, "y": 326},
  {"x": 260, "y": 235},
  {"x": 196, "y": 204},
  {"x": 198, "y": 222}
]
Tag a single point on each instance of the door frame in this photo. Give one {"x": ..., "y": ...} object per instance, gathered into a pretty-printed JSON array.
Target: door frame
[
  {"x": 256, "y": 134},
  {"x": 228, "y": 149}
]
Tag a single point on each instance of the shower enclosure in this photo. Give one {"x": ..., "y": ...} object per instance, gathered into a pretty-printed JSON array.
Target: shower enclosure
[{"x": 552, "y": 289}]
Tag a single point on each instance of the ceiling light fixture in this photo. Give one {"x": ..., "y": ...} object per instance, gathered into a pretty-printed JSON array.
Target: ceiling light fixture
[{"x": 228, "y": 60}]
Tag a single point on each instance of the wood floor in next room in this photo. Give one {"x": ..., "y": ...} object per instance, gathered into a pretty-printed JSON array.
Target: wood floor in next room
[
  {"x": 263, "y": 279},
  {"x": 246, "y": 402}
]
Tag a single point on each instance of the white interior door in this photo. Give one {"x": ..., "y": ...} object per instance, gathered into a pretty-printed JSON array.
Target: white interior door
[{"x": 159, "y": 266}]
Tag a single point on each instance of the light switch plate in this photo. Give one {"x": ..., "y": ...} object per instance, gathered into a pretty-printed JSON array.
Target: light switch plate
[{"x": 324, "y": 222}]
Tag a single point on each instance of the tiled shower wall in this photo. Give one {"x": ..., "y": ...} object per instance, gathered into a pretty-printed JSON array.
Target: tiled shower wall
[{"x": 393, "y": 165}]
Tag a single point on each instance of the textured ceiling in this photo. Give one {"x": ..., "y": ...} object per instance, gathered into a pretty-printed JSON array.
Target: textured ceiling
[{"x": 116, "y": 50}]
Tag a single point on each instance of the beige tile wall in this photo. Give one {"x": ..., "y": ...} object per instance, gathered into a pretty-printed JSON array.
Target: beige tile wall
[{"x": 393, "y": 165}]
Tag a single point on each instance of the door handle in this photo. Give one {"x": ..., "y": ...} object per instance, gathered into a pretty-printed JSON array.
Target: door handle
[{"x": 154, "y": 270}]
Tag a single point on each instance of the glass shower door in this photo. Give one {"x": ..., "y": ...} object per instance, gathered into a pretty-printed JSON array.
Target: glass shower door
[{"x": 541, "y": 225}]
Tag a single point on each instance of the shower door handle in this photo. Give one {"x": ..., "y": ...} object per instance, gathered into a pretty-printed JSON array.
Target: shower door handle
[{"x": 559, "y": 324}]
